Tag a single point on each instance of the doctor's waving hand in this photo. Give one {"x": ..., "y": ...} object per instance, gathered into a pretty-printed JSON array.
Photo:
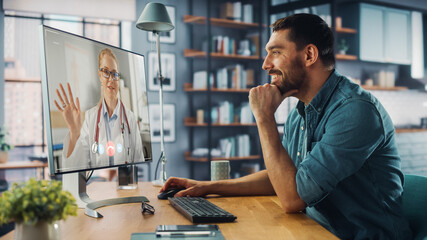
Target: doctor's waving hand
[{"x": 109, "y": 134}]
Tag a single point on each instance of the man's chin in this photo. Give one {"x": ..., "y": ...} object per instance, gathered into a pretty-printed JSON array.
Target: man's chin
[{"x": 285, "y": 90}]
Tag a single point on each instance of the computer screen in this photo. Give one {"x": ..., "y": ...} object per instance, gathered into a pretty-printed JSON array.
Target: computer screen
[{"x": 95, "y": 104}]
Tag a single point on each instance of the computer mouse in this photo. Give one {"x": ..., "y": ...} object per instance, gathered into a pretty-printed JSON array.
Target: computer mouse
[{"x": 169, "y": 193}]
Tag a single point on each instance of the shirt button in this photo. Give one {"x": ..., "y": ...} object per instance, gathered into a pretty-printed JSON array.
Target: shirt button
[
  {"x": 298, "y": 153},
  {"x": 302, "y": 128}
]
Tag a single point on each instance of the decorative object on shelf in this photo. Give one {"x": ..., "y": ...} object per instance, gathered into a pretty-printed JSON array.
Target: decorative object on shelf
[
  {"x": 168, "y": 62},
  {"x": 154, "y": 18},
  {"x": 168, "y": 121},
  {"x": 166, "y": 37},
  {"x": 36, "y": 207},
  {"x": 338, "y": 22},
  {"x": 342, "y": 46},
  {"x": 4, "y": 146}
]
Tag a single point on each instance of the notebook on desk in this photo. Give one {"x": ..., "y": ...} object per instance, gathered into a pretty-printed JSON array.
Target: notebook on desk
[
  {"x": 190, "y": 232},
  {"x": 153, "y": 236}
]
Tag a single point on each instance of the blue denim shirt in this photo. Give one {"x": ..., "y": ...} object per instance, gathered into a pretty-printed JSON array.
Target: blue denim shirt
[{"x": 349, "y": 174}]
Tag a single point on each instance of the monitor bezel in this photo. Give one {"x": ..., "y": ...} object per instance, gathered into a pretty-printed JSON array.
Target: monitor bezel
[{"x": 46, "y": 106}]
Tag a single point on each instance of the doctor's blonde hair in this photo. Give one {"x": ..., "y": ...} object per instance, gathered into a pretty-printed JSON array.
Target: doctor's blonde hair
[{"x": 106, "y": 52}]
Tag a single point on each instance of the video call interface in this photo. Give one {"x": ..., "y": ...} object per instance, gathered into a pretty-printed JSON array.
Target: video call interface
[{"x": 96, "y": 107}]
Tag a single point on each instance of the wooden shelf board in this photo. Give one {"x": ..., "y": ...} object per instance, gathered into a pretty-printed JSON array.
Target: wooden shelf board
[
  {"x": 219, "y": 22},
  {"x": 345, "y": 57},
  {"x": 202, "y": 54},
  {"x": 220, "y": 125},
  {"x": 188, "y": 157},
  {"x": 345, "y": 30},
  {"x": 378, "y": 88},
  {"x": 188, "y": 87},
  {"x": 410, "y": 130},
  {"x": 23, "y": 79},
  {"x": 191, "y": 122}
]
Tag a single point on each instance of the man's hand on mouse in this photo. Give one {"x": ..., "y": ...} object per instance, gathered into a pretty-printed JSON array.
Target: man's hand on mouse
[{"x": 192, "y": 188}]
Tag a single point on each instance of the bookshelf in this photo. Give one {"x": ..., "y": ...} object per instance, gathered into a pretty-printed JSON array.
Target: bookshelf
[{"x": 226, "y": 53}]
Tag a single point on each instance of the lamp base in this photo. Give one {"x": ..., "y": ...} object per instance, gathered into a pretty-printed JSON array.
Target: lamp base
[{"x": 158, "y": 183}]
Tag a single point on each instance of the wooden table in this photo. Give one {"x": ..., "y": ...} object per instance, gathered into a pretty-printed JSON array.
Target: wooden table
[{"x": 257, "y": 217}]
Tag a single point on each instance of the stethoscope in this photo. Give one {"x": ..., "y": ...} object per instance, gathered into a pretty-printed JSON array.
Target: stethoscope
[{"x": 122, "y": 126}]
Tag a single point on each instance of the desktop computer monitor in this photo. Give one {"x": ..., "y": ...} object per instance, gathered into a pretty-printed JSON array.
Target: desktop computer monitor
[{"x": 95, "y": 106}]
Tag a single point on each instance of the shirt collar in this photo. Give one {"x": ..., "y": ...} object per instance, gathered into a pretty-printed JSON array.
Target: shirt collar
[
  {"x": 115, "y": 113},
  {"x": 322, "y": 97}
]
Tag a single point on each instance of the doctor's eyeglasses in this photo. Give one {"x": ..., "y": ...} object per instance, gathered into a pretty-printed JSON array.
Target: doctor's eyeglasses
[
  {"x": 147, "y": 208},
  {"x": 107, "y": 74}
]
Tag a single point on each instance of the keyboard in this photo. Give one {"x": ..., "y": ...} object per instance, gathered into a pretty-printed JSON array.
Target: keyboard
[{"x": 200, "y": 210}]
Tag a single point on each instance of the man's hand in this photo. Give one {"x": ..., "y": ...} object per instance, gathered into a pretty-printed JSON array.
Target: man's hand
[
  {"x": 264, "y": 100},
  {"x": 193, "y": 188}
]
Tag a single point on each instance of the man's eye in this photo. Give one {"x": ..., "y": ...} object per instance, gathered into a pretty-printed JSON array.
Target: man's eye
[{"x": 275, "y": 52}]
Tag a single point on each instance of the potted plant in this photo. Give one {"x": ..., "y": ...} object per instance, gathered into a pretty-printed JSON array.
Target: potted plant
[
  {"x": 342, "y": 46},
  {"x": 36, "y": 207},
  {"x": 4, "y": 146}
]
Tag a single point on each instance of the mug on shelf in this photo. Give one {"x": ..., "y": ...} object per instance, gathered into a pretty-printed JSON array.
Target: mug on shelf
[{"x": 220, "y": 170}]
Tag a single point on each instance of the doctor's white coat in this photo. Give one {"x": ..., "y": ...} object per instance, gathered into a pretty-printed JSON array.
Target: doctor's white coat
[{"x": 82, "y": 156}]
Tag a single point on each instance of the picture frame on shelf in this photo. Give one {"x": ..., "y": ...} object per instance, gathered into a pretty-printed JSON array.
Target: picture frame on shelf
[
  {"x": 168, "y": 71},
  {"x": 166, "y": 37},
  {"x": 168, "y": 122}
]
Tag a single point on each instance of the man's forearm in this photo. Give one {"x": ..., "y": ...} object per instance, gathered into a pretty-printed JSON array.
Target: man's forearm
[
  {"x": 281, "y": 169},
  {"x": 254, "y": 184}
]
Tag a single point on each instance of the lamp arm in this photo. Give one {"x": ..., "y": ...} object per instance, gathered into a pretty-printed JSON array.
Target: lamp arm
[{"x": 163, "y": 177}]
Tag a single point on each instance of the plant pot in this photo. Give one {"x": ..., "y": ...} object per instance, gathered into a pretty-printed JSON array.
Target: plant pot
[
  {"x": 4, "y": 156},
  {"x": 41, "y": 231}
]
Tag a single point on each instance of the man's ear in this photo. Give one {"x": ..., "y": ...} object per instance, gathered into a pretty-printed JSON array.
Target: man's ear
[{"x": 311, "y": 54}]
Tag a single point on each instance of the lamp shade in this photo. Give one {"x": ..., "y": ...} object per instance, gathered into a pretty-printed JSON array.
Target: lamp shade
[{"x": 155, "y": 18}]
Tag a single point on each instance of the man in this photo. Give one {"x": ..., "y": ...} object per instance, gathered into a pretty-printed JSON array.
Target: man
[{"x": 338, "y": 160}]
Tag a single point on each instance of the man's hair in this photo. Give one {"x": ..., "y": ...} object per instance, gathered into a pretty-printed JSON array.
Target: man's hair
[{"x": 309, "y": 29}]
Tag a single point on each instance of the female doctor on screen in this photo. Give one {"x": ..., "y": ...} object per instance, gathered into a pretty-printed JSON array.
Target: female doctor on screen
[{"x": 109, "y": 134}]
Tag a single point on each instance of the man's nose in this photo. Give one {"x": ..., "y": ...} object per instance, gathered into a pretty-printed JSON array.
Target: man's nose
[{"x": 267, "y": 63}]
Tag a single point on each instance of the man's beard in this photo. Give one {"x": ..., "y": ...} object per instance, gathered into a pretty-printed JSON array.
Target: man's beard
[{"x": 291, "y": 80}]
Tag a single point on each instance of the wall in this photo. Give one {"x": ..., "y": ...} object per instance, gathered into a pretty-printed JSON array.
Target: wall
[{"x": 176, "y": 165}]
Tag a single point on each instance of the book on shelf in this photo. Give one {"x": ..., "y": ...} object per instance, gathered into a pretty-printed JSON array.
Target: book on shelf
[
  {"x": 231, "y": 11},
  {"x": 226, "y": 113},
  {"x": 234, "y": 76},
  {"x": 227, "y": 45},
  {"x": 223, "y": 44},
  {"x": 246, "y": 115},
  {"x": 235, "y": 146},
  {"x": 200, "y": 79},
  {"x": 248, "y": 15},
  {"x": 254, "y": 43},
  {"x": 237, "y": 11},
  {"x": 226, "y": 10},
  {"x": 203, "y": 152}
]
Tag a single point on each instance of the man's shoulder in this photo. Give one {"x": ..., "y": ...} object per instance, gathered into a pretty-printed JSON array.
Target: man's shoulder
[{"x": 347, "y": 90}]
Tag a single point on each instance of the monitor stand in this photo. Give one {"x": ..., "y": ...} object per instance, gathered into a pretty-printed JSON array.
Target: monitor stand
[{"x": 75, "y": 183}]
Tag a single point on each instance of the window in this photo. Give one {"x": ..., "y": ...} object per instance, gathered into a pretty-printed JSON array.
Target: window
[{"x": 23, "y": 98}]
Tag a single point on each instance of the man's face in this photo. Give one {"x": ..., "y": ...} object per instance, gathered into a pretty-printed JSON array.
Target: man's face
[{"x": 284, "y": 63}]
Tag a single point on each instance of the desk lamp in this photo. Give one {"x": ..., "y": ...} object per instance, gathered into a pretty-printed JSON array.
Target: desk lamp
[{"x": 154, "y": 18}]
